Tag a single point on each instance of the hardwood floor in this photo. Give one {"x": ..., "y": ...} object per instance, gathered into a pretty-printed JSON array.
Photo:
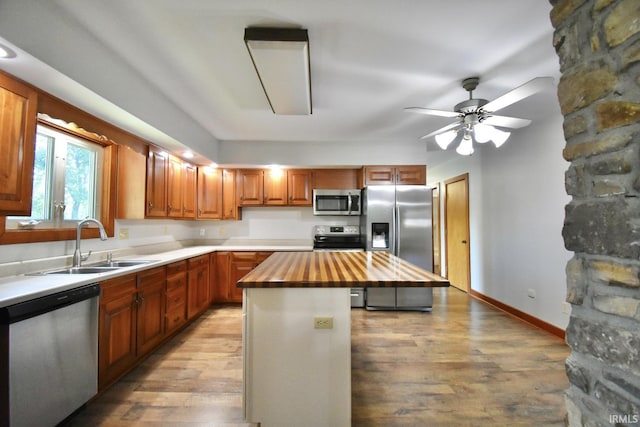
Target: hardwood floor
[{"x": 466, "y": 363}]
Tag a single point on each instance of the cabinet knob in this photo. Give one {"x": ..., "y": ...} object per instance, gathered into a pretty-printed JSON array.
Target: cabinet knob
[{"x": 464, "y": 241}]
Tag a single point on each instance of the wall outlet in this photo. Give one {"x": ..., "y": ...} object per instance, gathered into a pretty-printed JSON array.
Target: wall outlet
[
  {"x": 123, "y": 234},
  {"x": 221, "y": 231},
  {"x": 322, "y": 322},
  {"x": 202, "y": 232},
  {"x": 531, "y": 293},
  {"x": 566, "y": 308}
]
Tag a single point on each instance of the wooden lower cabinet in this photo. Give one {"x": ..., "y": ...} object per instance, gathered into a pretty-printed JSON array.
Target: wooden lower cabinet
[
  {"x": 151, "y": 309},
  {"x": 231, "y": 267},
  {"x": 176, "y": 296},
  {"x": 197, "y": 285},
  {"x": 117, "y": 328}
]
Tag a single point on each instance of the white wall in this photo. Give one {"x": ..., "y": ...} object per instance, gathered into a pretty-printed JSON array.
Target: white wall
[
  {"x": 516, "y": 205},
  {"x": 310, "y": 154}
]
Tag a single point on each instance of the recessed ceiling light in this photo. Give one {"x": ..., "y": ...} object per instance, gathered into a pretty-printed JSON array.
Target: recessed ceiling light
[
  {"x": 188, "y": 155},
  {"x": 6, "y": 53}
]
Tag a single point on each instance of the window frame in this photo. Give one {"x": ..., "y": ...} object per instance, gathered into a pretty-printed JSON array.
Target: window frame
[{"x": 106, "y": 214}]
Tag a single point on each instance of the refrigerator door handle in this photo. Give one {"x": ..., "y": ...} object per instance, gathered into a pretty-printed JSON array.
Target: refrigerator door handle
[{"x": 396, "y": 223}]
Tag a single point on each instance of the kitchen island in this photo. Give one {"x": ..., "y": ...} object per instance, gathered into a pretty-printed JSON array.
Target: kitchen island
[{"x": 297, "y": 332}]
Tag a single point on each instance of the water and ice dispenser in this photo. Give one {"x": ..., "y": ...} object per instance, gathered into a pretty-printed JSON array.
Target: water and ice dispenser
[{"x": 380, "y": 235}]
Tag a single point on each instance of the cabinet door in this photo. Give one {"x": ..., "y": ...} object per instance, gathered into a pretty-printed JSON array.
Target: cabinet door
[
  {"x": 221, "y": 277},
  {"x": 151, "y": 309},
  {"x": 157, "y": 170},
  {"x": 345, "y": 179},
  {"x": 117, "y": 328},
  {"x": 411, "y": 175},
  {"x": 299, "y": 187},
  {"x": 275, "y": 188},
  {"x": 240, "y": 264},
  {"x": 249, "y": 187},
  {"x": 189, "y": 191},
  {"x": 130, "y": 189},
  {"x": 18, "y": 109},
  {"x": 229, "y": 202},
  {"x": 379, "y": 175},
  {"x": 197, "y": 285},
  {"x": 209, "y": 193},
  {"x": 175, "y": 187}
]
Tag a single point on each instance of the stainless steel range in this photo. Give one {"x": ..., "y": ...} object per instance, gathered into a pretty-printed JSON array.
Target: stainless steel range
[{"x": 341, "y": 238}]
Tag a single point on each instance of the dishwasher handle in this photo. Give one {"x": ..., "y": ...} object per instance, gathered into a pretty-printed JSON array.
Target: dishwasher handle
[{"x": 37, "y": 306}]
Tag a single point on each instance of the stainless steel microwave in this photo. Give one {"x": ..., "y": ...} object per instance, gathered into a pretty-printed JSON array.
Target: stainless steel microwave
[{"x": 337, "y": 202}]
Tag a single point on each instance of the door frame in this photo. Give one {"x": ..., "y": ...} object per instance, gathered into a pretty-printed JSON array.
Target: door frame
[{"x": 465, "y": 178}]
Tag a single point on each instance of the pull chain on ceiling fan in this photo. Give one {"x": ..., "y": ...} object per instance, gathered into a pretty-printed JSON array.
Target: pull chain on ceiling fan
[{"x": 476, "y": 116}]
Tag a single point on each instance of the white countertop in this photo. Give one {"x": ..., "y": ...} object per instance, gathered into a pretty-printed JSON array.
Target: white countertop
[{"x": 15, "y": 289}]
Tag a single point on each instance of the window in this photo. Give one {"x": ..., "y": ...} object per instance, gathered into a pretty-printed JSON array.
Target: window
[{"x": 67, "y": 181}]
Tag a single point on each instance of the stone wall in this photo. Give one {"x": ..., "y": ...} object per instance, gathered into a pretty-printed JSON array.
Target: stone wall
[{"x": 598, "y": 44}]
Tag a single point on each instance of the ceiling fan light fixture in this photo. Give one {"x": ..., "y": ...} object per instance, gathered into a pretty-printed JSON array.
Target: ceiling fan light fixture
[
  {"x": 444, "y": 139},
  {"x": 499, "y": 137},
  {"x": 466, "y": 145},
  {"x": 483, "y": 133}
]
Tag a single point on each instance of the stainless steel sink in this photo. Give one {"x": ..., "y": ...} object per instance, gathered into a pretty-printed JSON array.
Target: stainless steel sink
[
  {"x": 81, "y": 270},
  {"x": 122, "y": 263}
]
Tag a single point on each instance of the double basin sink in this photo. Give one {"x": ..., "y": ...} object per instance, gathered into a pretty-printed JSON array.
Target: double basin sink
[{"x": 101, "y": 267}]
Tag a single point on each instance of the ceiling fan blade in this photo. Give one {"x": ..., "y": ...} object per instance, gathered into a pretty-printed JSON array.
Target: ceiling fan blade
[
  {"x": 521, "y": 92},
  {"x": 506, "y": 122},
  {"x": 452, "y": 126},
  {"x": 431, "y": 112}
]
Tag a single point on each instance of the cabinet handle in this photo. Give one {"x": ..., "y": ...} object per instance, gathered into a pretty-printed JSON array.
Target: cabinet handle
[
  {"x": 170, "y": 207},
  {"x": 150, "y": 204},
  {"x": 241, "y": 198},
  {"x": 464, "y": 241},
  {"x": 264, "y": 199},
  {"x": 199, "y": 211},
  {"x": 290, "y": 198}
]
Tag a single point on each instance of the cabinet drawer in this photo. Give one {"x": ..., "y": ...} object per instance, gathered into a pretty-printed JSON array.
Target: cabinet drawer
[
  {"x": 243, "y": 256},
  {"x": 177, "y": 281},
  {"x": 176, "y": 268},
  {"x": 175, "y": 318},
  {"x": 117, "y": 287},
  {"x": 198, "y": 261},
  {"x": 152, "y": 277},
  {"x": 176, "y": 297}
]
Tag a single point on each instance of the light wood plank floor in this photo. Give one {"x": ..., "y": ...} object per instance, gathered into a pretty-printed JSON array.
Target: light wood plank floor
[{"x": 464, "y": 364}]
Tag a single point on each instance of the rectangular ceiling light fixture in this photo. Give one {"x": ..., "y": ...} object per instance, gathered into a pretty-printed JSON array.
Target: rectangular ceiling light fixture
[{"x": 281, "y": 59}]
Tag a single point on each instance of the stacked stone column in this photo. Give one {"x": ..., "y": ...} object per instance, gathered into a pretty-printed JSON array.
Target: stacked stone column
[{"x": 598, "y": 44}]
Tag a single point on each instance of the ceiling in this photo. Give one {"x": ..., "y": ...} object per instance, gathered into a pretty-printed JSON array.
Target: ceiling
[{"x": 178, "y": 72}]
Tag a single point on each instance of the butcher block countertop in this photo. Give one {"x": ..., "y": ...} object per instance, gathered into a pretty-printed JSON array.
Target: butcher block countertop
[{"x": 338, "y": 270}]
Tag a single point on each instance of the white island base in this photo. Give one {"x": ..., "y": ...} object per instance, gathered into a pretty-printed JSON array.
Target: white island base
[{"x": 295, "y": 374}]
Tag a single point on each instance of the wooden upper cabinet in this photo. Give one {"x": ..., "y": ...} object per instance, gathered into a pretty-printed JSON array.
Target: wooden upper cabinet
[
  {"x": 18, "y": 110},
  {"x": 299, "y": 187},
  {"x": 332, "y": 179},
  {"x": 249, "y": 187},
  {"x": 130, "y": 189},
  {"x": 175, "y": 188},
  {"x": 390, "y": 175},
  {"x": 411, "y": 175},
  {"x": 209, "y": 193},
  {"x": 229, "y": 206},
  {"x": 157, "y": 173},
  {"x": 189, "y": 191},
  {"x": 275, "y": 187}
]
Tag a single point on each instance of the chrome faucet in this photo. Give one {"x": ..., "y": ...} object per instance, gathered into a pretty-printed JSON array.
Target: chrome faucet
[{"x": 77, "y": 255}]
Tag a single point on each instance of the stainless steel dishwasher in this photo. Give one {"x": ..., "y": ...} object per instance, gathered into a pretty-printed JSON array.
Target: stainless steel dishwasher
[{"x": 52, "y": 355}]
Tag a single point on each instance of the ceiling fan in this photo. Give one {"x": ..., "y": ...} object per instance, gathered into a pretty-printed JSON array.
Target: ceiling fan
[{"x": 476, "y": 116}]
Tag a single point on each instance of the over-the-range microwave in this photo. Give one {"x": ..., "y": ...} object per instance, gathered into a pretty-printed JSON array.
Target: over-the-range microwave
[{"x": 337, "y": 202}]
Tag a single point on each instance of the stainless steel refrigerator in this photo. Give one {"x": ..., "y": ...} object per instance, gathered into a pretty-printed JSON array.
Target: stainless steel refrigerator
[{"x": 397, "y": 219}]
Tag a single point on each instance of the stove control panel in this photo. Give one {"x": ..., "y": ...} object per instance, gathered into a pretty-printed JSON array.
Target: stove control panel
[{"x": 338, "y": 230}]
